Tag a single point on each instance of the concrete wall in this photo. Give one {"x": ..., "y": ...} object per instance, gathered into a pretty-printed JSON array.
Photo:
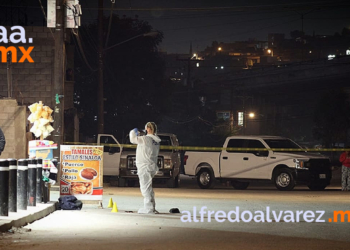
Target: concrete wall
[
  {"x": 32, "y": 82},
  {"x": 13, "y": 124}
]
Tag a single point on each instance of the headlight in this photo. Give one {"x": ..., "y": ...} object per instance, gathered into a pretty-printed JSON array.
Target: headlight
[
  {"x": 300, "y": 164},
  {"x": 168, "y": 163},
  {"x": 130, "y": 162}
]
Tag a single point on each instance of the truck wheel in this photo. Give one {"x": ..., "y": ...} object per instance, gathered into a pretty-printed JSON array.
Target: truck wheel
[
  {"x": 173, "y": 182},
  {"x": 240, "y": 185},
  {"x": 317, "y": 187},
  {"x": 121, "y": 182},
  {"x": 284, "y": 179},
  {"x": 205, "y": 179}
]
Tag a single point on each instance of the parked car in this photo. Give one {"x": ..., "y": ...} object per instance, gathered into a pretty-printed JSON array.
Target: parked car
[
  {"x": 249, "y": 158},
  {"x": 119, "y": 164}
]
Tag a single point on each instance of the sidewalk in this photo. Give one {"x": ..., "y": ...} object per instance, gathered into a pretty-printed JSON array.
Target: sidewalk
[{"x": 24, "y": 217}]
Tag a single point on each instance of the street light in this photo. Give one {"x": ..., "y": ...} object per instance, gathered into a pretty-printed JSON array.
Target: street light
[
  {"x": 100, "y": 96},
  {"x": 251, "y": 115},
  {"x": 270, "y": 52}
]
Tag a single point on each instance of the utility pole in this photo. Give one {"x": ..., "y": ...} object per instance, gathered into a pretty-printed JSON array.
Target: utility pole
[
  {"x": 9, "y": 74},
  {"x": 59, "y": 74},
  {"x": 232, "y": 119},
  {"x": 302, "y": 31},
  {"x": 100, "y": 99},
  {"x": 189, "y": 83}
]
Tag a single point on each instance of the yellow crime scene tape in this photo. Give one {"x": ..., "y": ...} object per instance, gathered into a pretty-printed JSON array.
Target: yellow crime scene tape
[{"x": 192, "y": 148}]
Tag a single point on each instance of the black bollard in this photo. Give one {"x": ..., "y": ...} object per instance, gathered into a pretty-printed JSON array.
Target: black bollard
[
  {"x": 32, "y": 182},
  {"x": 39, "y": 180},
  {"x": 22, "y": 184},
  {"x": 4, "y": 187},
  {"x": 46, "y": 191},
  {"x": 13, "y": 185}
]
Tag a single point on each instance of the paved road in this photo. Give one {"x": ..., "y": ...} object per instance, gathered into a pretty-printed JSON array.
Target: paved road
[{"x": 93, "y": 228}]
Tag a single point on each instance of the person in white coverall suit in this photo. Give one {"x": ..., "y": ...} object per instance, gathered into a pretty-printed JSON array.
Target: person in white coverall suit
[{"x": 146, "y": 162}]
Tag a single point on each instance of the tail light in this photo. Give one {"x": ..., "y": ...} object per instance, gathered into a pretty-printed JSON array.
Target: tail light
[{"x": 185, "y": 159}]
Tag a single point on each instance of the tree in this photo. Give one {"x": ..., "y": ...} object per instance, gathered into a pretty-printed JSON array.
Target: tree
[
  {"x": 224, "y": 129},
  {"x": 332, "y": 119},
  {"x": 133, "y": 76}
]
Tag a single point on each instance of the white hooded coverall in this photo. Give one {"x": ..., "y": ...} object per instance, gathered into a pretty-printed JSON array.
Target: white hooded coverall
[{"x": 146, "y": 162}]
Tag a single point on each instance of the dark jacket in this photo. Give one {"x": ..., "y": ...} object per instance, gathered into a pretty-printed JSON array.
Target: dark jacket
[{"x": 2, "y": 141}]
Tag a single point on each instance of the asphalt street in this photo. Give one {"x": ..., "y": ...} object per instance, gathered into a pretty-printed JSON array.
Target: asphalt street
[{"x": 93, "y": 227}]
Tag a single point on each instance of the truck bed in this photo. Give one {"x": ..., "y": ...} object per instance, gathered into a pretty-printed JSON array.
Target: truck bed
[{"x": 196, "y": 158}]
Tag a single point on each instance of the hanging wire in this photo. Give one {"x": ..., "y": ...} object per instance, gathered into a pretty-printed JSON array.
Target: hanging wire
[
  {"x": 110, "y": 23},
  {"x": 42, "y": 9},
  {"x": 77, "y": 36}
]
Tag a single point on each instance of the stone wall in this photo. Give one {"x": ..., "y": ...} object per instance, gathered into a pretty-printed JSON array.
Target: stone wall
[{"x": 13, "y": 125}]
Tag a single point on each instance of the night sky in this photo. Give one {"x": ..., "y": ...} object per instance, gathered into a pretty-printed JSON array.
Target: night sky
[
  {"x": 185, "y": 21},
  {"x": 204, "y": 21}
]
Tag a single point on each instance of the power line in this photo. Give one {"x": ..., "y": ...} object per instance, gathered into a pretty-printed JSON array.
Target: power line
[
  {"x": 76, "y": 35},
  {"x": 110, "y": 23},
  {"x": 235, "y": 34},
  {"x": 328, "y": 4},
  {"x": 42, "y": 9},
  {"x": 223, "y": 24}
]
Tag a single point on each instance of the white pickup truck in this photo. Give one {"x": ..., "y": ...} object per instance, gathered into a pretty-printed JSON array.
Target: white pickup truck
[
  {"x": 249, "y": 158},
  {"x": 119, "y": 162}
]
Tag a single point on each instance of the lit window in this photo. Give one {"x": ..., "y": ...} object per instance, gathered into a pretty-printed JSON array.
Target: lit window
[
  {"x": 240, "y": 118},
  {"x": 222, "y": 67}
]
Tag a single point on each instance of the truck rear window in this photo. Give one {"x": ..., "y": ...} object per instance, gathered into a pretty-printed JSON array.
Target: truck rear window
[
  {"x": 165, "y": 141},
  {"x": 235, "y": 143},
  {"x": 282, "y": 143}
]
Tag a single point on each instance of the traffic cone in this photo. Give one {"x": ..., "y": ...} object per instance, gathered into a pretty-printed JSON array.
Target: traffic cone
[
  {"x": 110, "y": 204},
  {"x": 115, "y": 209}
]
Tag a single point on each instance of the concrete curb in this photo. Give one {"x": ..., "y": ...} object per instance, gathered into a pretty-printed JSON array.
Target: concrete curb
[{"x": 24, "y": 217}]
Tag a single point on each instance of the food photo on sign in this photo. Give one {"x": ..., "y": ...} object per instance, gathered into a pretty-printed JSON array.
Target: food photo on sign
[{"x": 81, "y": 173}]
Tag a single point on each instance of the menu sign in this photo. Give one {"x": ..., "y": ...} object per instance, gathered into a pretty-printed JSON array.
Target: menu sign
[{"x": 82, "y": 172}]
